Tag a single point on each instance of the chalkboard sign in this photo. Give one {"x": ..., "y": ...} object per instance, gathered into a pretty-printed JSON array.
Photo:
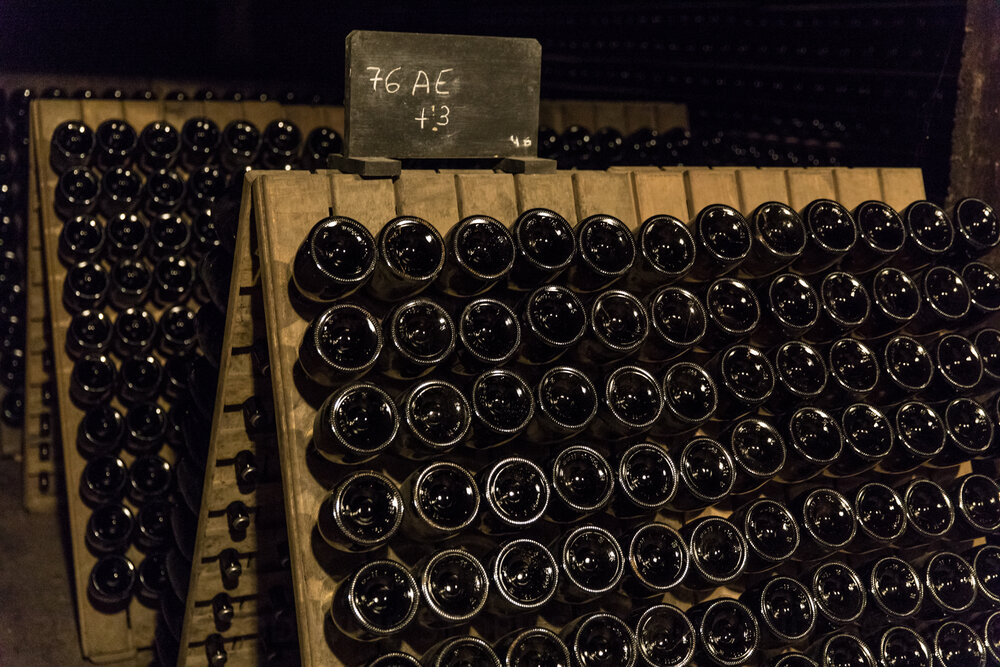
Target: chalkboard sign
[{"x": 411, "y": 95}]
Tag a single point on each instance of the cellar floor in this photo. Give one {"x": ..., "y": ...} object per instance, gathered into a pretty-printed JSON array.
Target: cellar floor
[{"x": 37, "y": 610}]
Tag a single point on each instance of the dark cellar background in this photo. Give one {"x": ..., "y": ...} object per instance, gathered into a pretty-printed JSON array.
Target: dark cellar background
[{"x": 766, "y": 83}]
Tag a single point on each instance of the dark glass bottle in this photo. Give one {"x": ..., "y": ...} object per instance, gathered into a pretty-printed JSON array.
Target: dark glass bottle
[
  {"x": 502, "y": 407},
  {"x": 606, "y": 252},
  {"x": 204, "y": 240},
  {"x": 153, "y": 578},
  {"x": 81, "y": 240},
  {"x": 658, "y": 561},
  {"x": 733, "y": 313},
  {"x": 552, "y": 321},
  {"x": 441, "y": 499},
  {"x": 103, "y": 480},
  {"x": 950, "y": 585},
  {"x": 745, "y": 379},
  {"x": 575, "y": 150},
  {"x": 791, "y": 659},
  {"x": 72, "y": 146},
  {"x": 839, "y": 594},
  {"x": 881, "y": 235},
  {"x": 546, "y": 246},
  {"x": 460, "y": 651},
  {"x": 728, "y": 633},
  {"x": 689, "y": 399},
  {"x": 957, "y": 645},
  {"x": 435, "y": 417},
  {"x": 894, "y": 589},
  {"x": 131, "y": 281},
  {"x": 111, "y": 582},
  {"x": 417, "y": 335},
  {"x": 929, "y": 512},
  {"x": 153, "y": 525},
  {"x": 240, "y": 145},
  {"x": 100, "y": 431},
  {"x": 977, "y": 227},
  {"x": 454, "y": 586},
  {"x": 724, "y": 241},
  {"x": 664, "y": 636},
  {"x": 93, "y": 379},
  {"x": 582, "y": 483},
  {"x": 336, "y": 258},
  {"x": 341, "y": 344},
  {"x": 827, "y": 521},
  {"x": 85, "y": 287},
  {"x": 109, "y": 529},
  {"x": 89, "y": 332},
  {"x": 361, "y": 513},
  {"x": 900, "y": 646},
  {"x": 567, "y": 403},
  {"x": 842, "y": 649},
  {"x": 524, "y": 577},
  {"x": 150, "y": 478},
  {"x": 121, "y": 192},
  {"x": 854, "y": 371},
  {"x": 790, "y": 310},
  {"x": 984, "y": 290},
  {"x": 666, "y": 253},
  {"x": 411, "y": 255},
  {"x": 355, "y": 424},
  {"x": 618, "y": 326},
  {"x": 480, "y": 254},
  {"x": 771, "y": 533},
  {"x": 165, "y": 192},
  {"x": 814, "y": 441},
  {"x": 392, "y": 658},
  {"x": 786, "y": 609},
  {"x": 515, "y": 495},
  {"x": 991, "y": 638},
  {"x": 706, "y": 473},
  {"x": 489, "y": 334},
  {"x": 200, "y": 139},
  {"x": 945, "y": 302},
  {"x": 139, "y": 379},
  {"x": 607, "y": 148},
  {"x": 832, "y": 233},
  {"x": 970, "y": 432},
  {"x": 895, "y": 302},
  {"x": 532, "y": 647},
  {"x": 718, "y": 552},
  {"x": 929, "y": 235},
  {"x": 159, "y": 145},
  {"x": 126, "y": 236},
  {"x": 758, "y": 453},
  {"x": 977, "y": 502},
  {"x": 958, "y": 368},
  {"x": 135, "y": 332},
  {"x": 379, "y": 599},
  {"x": 169, "y": 236},
  {"x": 678, "y": 323},
  {"x": 600, "y": 640},
  {"x": 985, "y": 561},
  {"x": 630, "y": 404},
  {"x": 908, "y": 370},
  {"x": 647, "y": 481},
  {"x": 206, "y": 188},
  {"x": 880, "y": 515},
  {"x": 920, "y": 436},
  {"x": 281, "y": 143},
  {"x": 592, "y": 563},
  {"x": 779, "y": 237},
  {"x": 178, "y": 335},
  {"x": 868, "y": 438},
  {"x": 846, "y": 306},
  {"x": 321, "y": 143},
  {"x": 987, "y": 343}
]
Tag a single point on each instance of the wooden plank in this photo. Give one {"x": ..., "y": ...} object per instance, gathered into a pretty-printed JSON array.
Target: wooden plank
[
  {"x": 640, "y": 115},
  {"x": 606, "y": 193},
  {"x": 609, "y": 114},
  {"x": 660, "y": 192},
  {"x": 901, "y": 186},
  {"x": 806, "y": 185},
  {"x": 487, "y": 194},
  {"x": 761, "y": 185},
  {"x": 551, "y": 191},
  {"x": 578, "y": 112},
  {"x": 428, "y": 195},
  {"x": 334, "y": 117},
  {"x": 370, "y": 202},
  {"x": 711, "y": 186},
  {"x": 550, "y": 115},
  {"x": 670, "y": 116},
  {"x": 857, "y": 185}
]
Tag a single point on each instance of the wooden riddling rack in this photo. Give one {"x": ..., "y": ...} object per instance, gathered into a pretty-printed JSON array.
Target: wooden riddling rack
[
  {"x": 626, "y": 117},
  {"x": 109, "y": 637},
  {"x": 287, "y": 205}
]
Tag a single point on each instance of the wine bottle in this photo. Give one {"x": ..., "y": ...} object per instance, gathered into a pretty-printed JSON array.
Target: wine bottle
[
  {"x": 984, "y": 290},
  {"x": 135, "y": 332},
  {"x": 340, "y": 345},
  {"x": 524, "y": 577},
  {"x": 658, "y": 561},
  {"x": 582, "y": 483},
  {"x": 955, "y": 644},
  {"x": 81, "y": 240},
  {"x": 846, "y": 306},
  {"x": 854, "y": 371},
  {"x": 689, "y": 399},
  {"x": 706, "y": 473},
  {"x": 321, "y": 143},
  {"x": 116, "y": 142},
  {"x": 165, "y": 192},
  {"x": 920, "y": 436},
  {"x": 489, "y": 334},
  {"x": 666, "y": 254},
  {"x": 814, "y": 442},
  {"x": 459, "y": 651},
  {"x": 281, "y": 143},
  {"x": 567, "y": 402},
  {"x": 159, "y": 145},
  {"x": 881, "y": 517},
  {"x": 592, "y": 563},
  {"x": 417, "y": 335},
  {"x": 758, "y": 453},
  {"x": 139, "y": 379},
  {"x": 791, "y": 659},
  {"x": 976, "y": 499},
  {"x": 240, "y": 145},
  {"x": 868, "y": 438},
  {"x": 411, "y": 255},
  {"x": 392, "y": 658},
  {"x": 100, "y": 431},
  {"x": 126, "y": 236},
  {"x": 945, "y": 302},
  {"x": 121, "y": 191},
  {"x": 515, "y": 495},
  {"x": 169, "y": 236},
  {"x": 977, "y": 227},
  {"x": 546, "y": 246},
  {"x": 843, "y": 648},
  {"x": 606, "y": 252},
  {"x": 718, "y": 552},
  {"x": 109, "y": 529},
  {"x": 790, "y": 310},
  {"x": 728, "y": 633},
  {"x": 206, "y": 187},
  {"x": 908, "y": 370},
  {"x": 929, "y": 235},
  {"x": 89, "y": 332},
  {"x": 929, "y": 512},
  {"x": 991, "y": 638},
  {"x": 678, "y": 323},
  {"x": 895, "y": 302},
  {"x": 441, "y": 499},
  {"x": 150, "y": 478},
  {"x": 733, "y": 313},
  {"x": 618, "y": 326},
  {"x": 552, "y": 321},
  {"x": 900, "y": 645},
  {"x": 664, "y": 636},
  {"x": 131, "y": 281},
  {"x": 379, "y": 599},
  {"x": 178, "y": 335},
  {"x": 970, "y": 432},
  {"x": 153, "y": 578},
  {"x": 950, "y": 585},
  {"x": 103, "y": 480},
  {"x": 435, "y": 418},
  {"x": 336, "y": 258},
  {"x": 600, "y": 640},
  {"x": 771, "y": 533},
  {"x": 881, "y": 234},
  {"x": 454, "y": 586},
  {"x": 92, "y": 381},
  {"x": 985, "y": 561},
  {"x": 200, "y": 139},
  {"x": 480, "y": 253},
  {"x": 839, "y": 594},
  {"x": 631, "y": 403},
  {"x": 724, "y": 242},
  {"x": 827, "y": 521},
  {"x": 832, "y": 233},
  {"x": 85, "y": 287},
  {"x": 531, "y": 647},
  {"x": 779, "y": 238},
  {"x": 745, "y": 379},
  {"x": 361, "y": 513},
  {"x": 894, "y": 589},
  {"x": 111, "y": 582},
  {"x": 153, "y": 526},
  {"x": 786, "y": 609},
  {"x": 987, "y": 343},
  {"x": 958, "y": 368},
  {"x": 355, "y": 424},
  {"x": 72, "y": 146},
  {"x": 502, "y": 407}
]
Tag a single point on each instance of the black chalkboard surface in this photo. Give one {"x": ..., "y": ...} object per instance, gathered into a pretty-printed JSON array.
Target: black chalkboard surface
[{"x": 411, "y": 95}]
